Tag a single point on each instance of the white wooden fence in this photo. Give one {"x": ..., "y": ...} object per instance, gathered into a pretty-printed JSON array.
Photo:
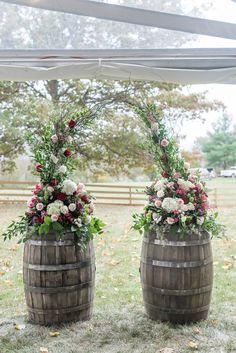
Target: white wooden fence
[{"x": 113, "y": 194}]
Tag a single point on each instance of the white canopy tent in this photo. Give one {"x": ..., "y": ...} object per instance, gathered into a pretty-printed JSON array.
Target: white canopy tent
[{"x": 184, "y": 66}]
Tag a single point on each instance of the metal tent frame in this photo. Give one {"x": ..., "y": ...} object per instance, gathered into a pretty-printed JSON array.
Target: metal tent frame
[{"x": 184, "y": 66}]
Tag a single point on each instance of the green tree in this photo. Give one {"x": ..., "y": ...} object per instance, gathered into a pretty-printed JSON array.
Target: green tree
[{"x": 220, "y": 145}]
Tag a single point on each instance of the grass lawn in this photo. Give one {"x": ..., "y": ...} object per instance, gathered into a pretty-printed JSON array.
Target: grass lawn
[{"x": 119, "y": 324}]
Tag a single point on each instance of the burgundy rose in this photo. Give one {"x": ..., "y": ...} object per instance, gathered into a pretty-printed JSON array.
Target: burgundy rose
[
  {"x": 67, "y": 152},
  {"x": 38, "y": 220},
  {"x": 180, "y": 191},
  {"x": 85, "y": 198},
  {"x": 72, "y": 123},
  {"x": 80, "y": 206},
  {"x": 165, "y": 175},
  {"x": 54, "y": 182},
  {"x": 38, "y": 167},
  {"x": 61, "y": 196}
]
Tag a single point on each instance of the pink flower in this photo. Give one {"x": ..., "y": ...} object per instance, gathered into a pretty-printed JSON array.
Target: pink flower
[
  {"x": 39, "y": 206},
  {"x": 180, "y": 202},
  {"x": 176, "y": 175},
  {"x": 170, "y": 220},
  {"x": 54, "y": 217},
  {"x": 158, "y": 203},
  {"x": 38, "y": 188},
  {"x": 91, "y": 208},
  {"x": 80, "y": 187},
  {"x": 180, "y": 191},
  {"x": 164, "y": 143},
  {"x": 170, "y": 184},
  {"x": 203, "y": 197},
  {"x": 190, "y": 178},
  {"x": 54, "y": 138},
  {"x": 32, "y": 202}
]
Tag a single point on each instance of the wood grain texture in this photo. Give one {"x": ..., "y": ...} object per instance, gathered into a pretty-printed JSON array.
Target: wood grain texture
[
  {"x": 176, "y": 275},
  {"x": 59, "y": 279}
]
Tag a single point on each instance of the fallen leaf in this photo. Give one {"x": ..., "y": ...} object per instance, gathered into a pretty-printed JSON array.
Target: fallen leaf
[
  {"x": 8, "y": 282},
  {"x": 215, "y": 263},
  {"x": 166, "y": 350},
  {"x": 131, "y": 275},
  {"x": 43, "y": 350},
  {"x": 106, "y": 253},
  {"x": 14, "y": 247},
  {"x": 197, "y": 330},
  {"x": 228, "y": 264},
  {"x": 114, "y": 263},
  {"x": 7, "y": 262},
  {"x": 214, "y": 322},
  {"x": 19, "y": 327},
  {"x": 2, "y": 273},
  {"x": 193, "y": 345},
  {"x": 54, "y": 333}
]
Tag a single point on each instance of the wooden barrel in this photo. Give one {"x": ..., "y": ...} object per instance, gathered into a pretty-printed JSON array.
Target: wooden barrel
[
  {"x": 176, "y": 274},
  {"x": 59, "y": 279}
]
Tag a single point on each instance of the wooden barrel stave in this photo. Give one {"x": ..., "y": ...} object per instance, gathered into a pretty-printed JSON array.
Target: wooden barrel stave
[
  {"x": 59, "y": 279},
  {"x": 176, "y": 276}
]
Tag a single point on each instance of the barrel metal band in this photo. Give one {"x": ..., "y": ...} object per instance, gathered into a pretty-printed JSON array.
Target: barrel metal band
[
  {"x": 175, "y": 264},
  {"x": 176, "y": 243},
  {"x": 178, "y": 292},
  {"x": 64, "y": 267},
  {"x": 51, "y": 243},
  {"x": 60, "y": 311},
  {"x": 177, "y": 311},
  {"x": 45, "y": 290}
]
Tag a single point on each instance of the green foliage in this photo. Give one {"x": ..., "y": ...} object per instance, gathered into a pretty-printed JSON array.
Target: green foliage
[
  {"x": 168, "y": 158},
  {"x": 17, "y": 228},
  {"x": 220, "y": 145}
]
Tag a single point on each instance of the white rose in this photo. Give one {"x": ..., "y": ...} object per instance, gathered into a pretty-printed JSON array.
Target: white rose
[
  {"x": 54, "y": 217},
  {"x": 159, "y": 184},
  {"x": 87, "y": 219},
  {"x": 78, "y": 222},
  {"x": 69, "y": 187},
  {"x": 54, "y": 207},
  {"x": 70, "y": 139},
  {"x": 191, "y": 206},
  {"x": 184, "y": 207},
  {"x": 62, "y": 169},
  {"x": 39, "y": 206},
  {"x": 54, "y": 158},
  {"x": 160, "y": 193},
  {"x": 50, "y": 189},
  {"x": 72, "y": 207},
  {"x": 187, "y": 165},
  {"x": 200, "y": 221},
  {"x": 185, "y": 184},
  {"x": 156, "y": 217},
  {"x": 170, "y": 204},
  {"x": 64, "y": 209}
]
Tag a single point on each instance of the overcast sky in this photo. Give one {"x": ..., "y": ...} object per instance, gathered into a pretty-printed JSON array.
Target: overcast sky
[{"x": 223, "y": 10}]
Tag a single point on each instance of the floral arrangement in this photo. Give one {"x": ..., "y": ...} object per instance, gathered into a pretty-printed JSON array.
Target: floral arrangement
[
  {"x": 58, "y": 203},
  {"x": 177, "y": 200}
]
